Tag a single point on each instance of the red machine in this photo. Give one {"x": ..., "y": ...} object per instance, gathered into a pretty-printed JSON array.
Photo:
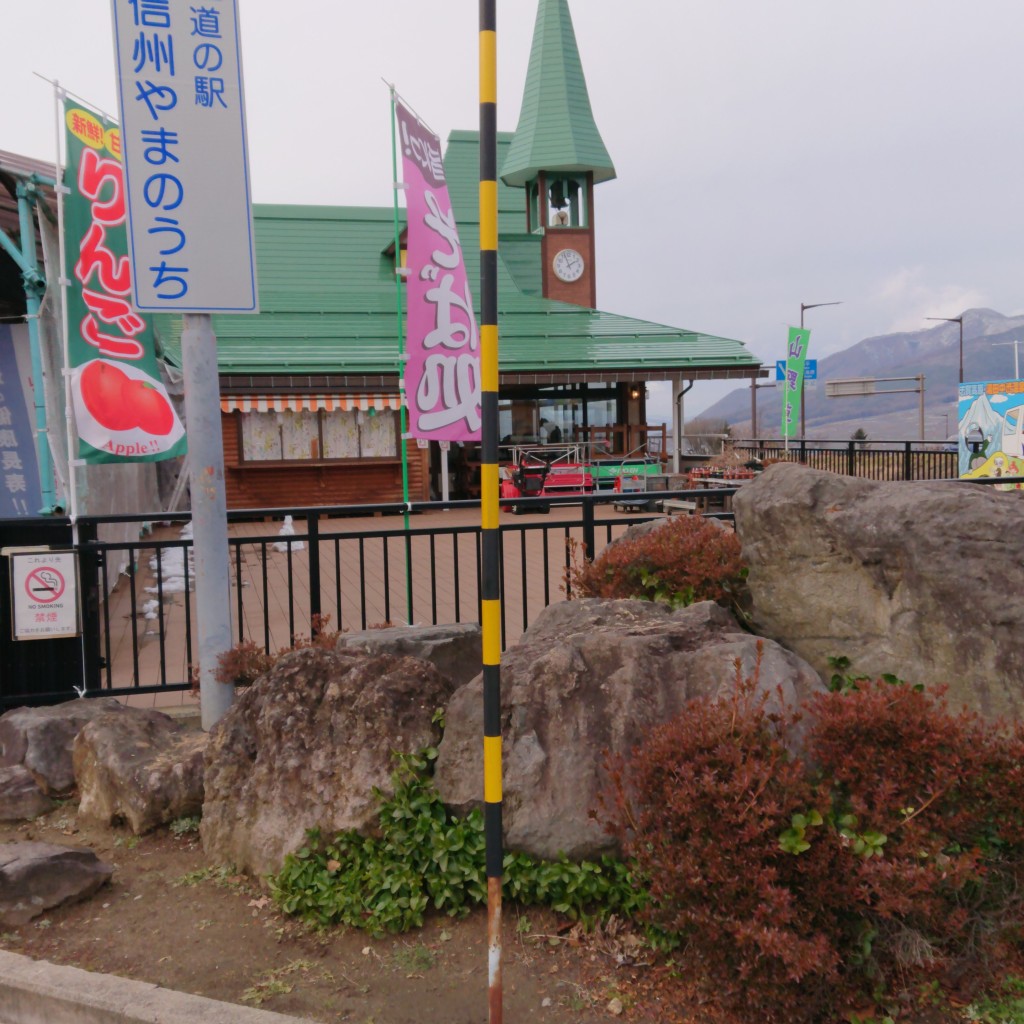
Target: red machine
[{"x": 545, "y": 471}]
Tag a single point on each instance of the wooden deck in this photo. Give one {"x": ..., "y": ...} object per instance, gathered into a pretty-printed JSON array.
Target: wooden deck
[{"x": 355, "y": 560}]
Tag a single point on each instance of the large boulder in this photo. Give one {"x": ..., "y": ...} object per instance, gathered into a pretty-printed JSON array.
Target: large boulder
[
  {"x": 305, "y": 746},
  {"x": 20, "y": 795},
  {"x": 41, "y": 738},
  {"x": 590, "y": 677},
  {"x": 454, "y": 650},
  {"x": 35, "y": 877},
  {"x": 141, "y": 767},
  {"x": 918, "y": 579}
]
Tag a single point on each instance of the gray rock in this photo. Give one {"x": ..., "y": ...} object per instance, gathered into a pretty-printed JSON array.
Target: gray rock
[
  {"x": 20, "y": 795},
  {"x": 36, "y": 877},
  {"x": 41, "y": 738},
  {"x": 590, "y": 677},
  {"x": 141, "y": 767},
  {"x": 454, "y": 650},
  {"x": 918, "y": 579},
  {"x": 305, "y": 746}
]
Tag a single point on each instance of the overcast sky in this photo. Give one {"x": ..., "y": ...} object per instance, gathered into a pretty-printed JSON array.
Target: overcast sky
[{"x": 768, "y": 153}]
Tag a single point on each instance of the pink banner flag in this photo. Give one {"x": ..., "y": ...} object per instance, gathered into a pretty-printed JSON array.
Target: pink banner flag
[{"x": 442, "y": 370}]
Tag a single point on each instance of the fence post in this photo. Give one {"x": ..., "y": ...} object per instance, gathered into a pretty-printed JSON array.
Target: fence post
[
  {"x": 88, "y": 576},
  {"x": 851, "y": 458},
  {"x": 589, "y": 543},
  {"x": 803, "y": 450},
  {"x": 907, "y": 468},
  {"x": 313, "y": 542}
]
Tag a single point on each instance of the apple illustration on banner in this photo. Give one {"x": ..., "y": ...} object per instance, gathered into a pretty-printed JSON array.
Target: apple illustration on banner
[
  {"x": 120, "y": 409},
  {"x": 117, "y": 402}
]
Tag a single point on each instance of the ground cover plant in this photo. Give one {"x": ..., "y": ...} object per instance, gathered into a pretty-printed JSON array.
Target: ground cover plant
[
  {"x": 425, "y": 859},
  {"x": 867, "y": 874}
]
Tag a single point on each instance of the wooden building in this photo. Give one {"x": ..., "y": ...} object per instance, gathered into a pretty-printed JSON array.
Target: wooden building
[{"x": 310, "y": 385}]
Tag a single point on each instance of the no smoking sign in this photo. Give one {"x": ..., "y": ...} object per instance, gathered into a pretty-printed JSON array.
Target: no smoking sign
[
  {"x": 45, "y": 585},
  {"x": 45, "y": 590}
]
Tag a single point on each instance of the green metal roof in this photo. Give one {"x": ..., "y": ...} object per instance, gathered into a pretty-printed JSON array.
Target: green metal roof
[
  {"x": 556, "y": 129},
  {"x": 327, "y": 300}
]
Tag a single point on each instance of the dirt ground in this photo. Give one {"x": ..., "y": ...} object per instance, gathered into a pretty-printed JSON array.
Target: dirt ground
[{"x": 169, "y": 918}]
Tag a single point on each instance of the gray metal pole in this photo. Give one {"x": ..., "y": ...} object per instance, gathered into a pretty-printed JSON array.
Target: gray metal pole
[{"x": 209, "y": 510}]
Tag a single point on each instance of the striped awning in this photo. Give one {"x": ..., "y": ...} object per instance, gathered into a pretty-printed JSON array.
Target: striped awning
[{"x": 308, "y": 403}]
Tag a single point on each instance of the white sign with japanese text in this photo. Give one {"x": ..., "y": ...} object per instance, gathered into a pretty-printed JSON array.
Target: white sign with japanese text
[
  {"x": 185, "y": 156},
  {"x": 44, "y": 589}
]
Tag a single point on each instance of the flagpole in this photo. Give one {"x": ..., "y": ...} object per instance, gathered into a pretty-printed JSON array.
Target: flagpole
[
  {"x": 490, "y": 586},
  {"x": 69, "y": 415},
  {"x": 400, "y": 272}
]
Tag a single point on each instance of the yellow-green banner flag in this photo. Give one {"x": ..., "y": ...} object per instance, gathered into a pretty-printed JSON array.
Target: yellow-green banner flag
[{"x": 792, "y": 387}]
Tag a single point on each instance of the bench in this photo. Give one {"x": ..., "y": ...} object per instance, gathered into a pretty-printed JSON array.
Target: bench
[
  {"x": 631, "y": 505},
  {"x": 672, "y": 505}
]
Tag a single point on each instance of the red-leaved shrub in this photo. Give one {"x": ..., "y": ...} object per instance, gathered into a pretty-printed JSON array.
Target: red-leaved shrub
[
  {"x": 944, "y": 789},
  {"x": 854, "y": 879},
  {"x": 687, "y": 559},
  {"x": 245, "y": 662}
]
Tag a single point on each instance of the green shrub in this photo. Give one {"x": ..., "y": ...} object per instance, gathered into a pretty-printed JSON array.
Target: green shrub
[
  {"x": 423, "y": 858},
  {"x": 887, "y": 871},
  {"x": 687, "y": 559}
]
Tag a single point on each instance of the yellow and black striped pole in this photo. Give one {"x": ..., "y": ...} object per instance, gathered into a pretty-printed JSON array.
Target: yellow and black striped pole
[{"x": 490, "y": 606}]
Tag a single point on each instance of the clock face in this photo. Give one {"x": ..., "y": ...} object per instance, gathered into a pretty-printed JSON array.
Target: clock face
[{"x": 568, "y": 265}]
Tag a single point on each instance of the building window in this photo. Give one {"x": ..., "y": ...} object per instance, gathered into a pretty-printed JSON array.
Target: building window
[
  {"x": 566, "y": 206},
  {"x": 318, "y": 436}
]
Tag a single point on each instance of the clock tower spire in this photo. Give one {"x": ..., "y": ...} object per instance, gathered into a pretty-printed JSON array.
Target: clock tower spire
[{"x": 558, "y": 156}]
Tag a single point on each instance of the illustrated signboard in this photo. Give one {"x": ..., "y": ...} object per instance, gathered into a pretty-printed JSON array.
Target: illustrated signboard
[
  {"x": 442, "y": 371},
  {"x": 186, "y": 162},
  {"x": 991, "y": 429},
  {"x": 122, "y": 410},
  {"x": 44, "y": 589}
]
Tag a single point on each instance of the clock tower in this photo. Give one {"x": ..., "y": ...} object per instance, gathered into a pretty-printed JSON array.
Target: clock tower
[{"x": 557, "y": 156}]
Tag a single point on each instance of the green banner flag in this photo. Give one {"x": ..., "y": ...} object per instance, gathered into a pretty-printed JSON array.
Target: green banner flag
[
  {"x": 792, "y": 386},
  {"x": 122, "y": 410}
]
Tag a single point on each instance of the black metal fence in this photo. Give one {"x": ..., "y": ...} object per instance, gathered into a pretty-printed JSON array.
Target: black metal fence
[
  {"x": 871, "y": 460},
  {"x": 139, "y": 612},
  {"x": 138, "y": 608}
]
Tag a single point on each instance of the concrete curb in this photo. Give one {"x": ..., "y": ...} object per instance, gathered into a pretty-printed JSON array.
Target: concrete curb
[{"x": 38, "y": 992}]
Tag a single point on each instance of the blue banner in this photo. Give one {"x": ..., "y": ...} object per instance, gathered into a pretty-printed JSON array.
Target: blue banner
[
  {"x": 810, "y": 369},
  {"x": 20, "y": 493}
]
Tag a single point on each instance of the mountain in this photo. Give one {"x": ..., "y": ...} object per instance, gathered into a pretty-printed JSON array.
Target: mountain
[{"x": 934, "y": 352}]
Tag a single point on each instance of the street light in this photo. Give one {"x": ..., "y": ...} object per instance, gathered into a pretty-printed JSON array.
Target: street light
[
  {"x": 955, "y": 320},
  {"x": 1016, "y": 359},
  {"x": 754, "y": 388},
  {"x": 803, "y": 405}
]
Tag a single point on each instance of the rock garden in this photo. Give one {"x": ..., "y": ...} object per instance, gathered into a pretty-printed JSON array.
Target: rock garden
[{"x": 775, "y": 774}]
